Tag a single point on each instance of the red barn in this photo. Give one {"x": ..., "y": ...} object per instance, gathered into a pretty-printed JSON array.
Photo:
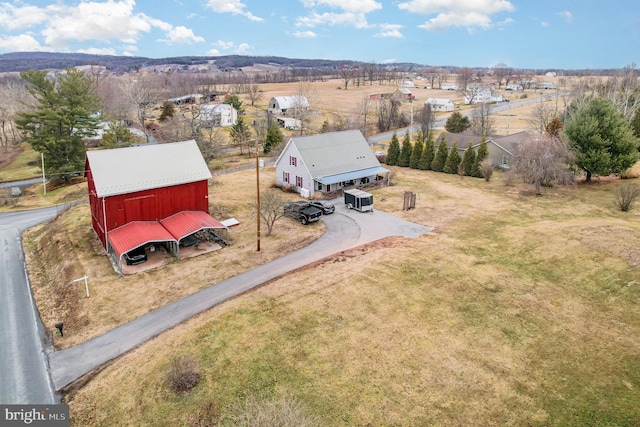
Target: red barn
[{"x": 133, "y": 190}]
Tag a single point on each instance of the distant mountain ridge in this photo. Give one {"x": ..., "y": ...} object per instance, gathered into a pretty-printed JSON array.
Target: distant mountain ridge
[{"x": 22, "y": 61}]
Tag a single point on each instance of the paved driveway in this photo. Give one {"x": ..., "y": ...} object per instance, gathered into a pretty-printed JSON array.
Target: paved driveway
[{"x": 345, "y": 229}]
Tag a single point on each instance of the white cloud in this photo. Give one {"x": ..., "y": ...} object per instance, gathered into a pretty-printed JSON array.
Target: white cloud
[
  {"x": 357, "y": 20},
  {"x": 390, "y": 30},
  {"x": 96, "y": 51},
  {"x": 21, "y": 43},
  {"x": 566, "y": 15},
  {"x": 181, "y": 35},
  {"x": 305, "y": 34},
  {"x": 353, "y": 6},
  {"x": 225, "y": 45},
  {"x": 468, "y": 14},
  {"x": 343, "y": 12},
  {"x": 14, "y": 18},
  {"x": 234, "y": 7},
  {"x": 243, "y": 48},
  {"x": 236, "y": 48},
  {"x": 90, "y": 21},
  {"x": 545, "y": 24}
]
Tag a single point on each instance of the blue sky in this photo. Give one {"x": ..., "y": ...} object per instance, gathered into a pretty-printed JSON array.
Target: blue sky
[{"x": 542, "y": 34}]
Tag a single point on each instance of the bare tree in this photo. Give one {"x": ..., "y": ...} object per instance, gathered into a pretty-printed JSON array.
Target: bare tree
[
  {"x": 143, "y": 92},
  {"x": 365, "y": 108},
  {"x": 13, "y": 96},
  {"x": 254, "y": 93},
  {"x": 482, "y": 121},
  {"x": 347, "y": 73},
  {"x": 304, "y": 100},
  {"x": 623, "y": 91},
  {"x": 370, "y": 71},
  {"x": 465, "y": 76},
  {"x": 543, "y": 161},
  {"x": 271, "y": 209},
  {"x": 427, "y": 120},
  {"x": 503, "y": 72},
  {"x": 441, "y": 76},
  {"x": 388, "y": 114},
  {"x": 210, "y": 141},
  {"x": 542, "y": 115}
]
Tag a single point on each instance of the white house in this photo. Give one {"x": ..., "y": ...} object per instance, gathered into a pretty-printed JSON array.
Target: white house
[
  {"x": 440, "y": 104},
  {"x": 407, "y": 83},
  {"x": 218, "y": 115},
  {"x": 327, "y": 162},
  {"x": 449, "y": 86},
  {"x": 481, "y": 95},
  {"x": 514, "y": 87},
  {"x": 281, "y": 105}
]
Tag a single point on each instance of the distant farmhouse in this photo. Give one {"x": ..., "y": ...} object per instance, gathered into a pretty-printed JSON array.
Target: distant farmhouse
[
  {"x": 440, "y": 104},
  {"x": 287, "y": 105},
  {"x": 193, "y": 98},
  {"x": 482, "y": 95},
  {"x": 328, "y": 162},
  {"x": 217, "y": 115},
  {"x": 148, "y": 196}
]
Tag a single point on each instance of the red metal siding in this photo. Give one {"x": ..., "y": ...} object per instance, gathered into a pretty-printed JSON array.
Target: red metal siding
[
  {"x": 156, "y": 204},
  {"x": 148, "y": 205}
]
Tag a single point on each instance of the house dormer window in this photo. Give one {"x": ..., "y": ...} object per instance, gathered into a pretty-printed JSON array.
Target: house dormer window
[{"x": 293, "y": 161}]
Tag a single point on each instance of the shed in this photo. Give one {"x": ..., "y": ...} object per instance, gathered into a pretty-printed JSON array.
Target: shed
[{"x": 440, "y": 104}]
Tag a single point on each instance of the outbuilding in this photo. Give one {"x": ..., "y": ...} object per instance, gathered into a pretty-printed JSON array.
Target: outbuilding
[{"x": 134, "y": 191}]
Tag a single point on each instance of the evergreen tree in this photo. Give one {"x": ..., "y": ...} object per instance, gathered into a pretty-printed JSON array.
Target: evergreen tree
[
  {"x": 453, "y": 159},
  {"x": 440, "y": 157},
  {"x": 468, "y": 160},
  {"x": 273, "y": 139},
  {"x": 167, "y": 111},
  {"x": 235, "y": 102},
  {"x": 427, "y": 154},
  {"x": 393, "y": 153},
  {"x": 601, "y": 138},
  {"x": 240, "y": 133},
  {"x": 405, "y": 153},
  {"x": 63, "y": 116},
  {"x": 483, "y": 153},
  {"x": 117, "y": 135},
  {"x": 416, "y": 153},
  {"x": 457, "y": 123}
]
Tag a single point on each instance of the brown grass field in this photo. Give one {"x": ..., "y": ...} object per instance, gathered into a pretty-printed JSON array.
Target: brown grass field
[{"x": 516, "y": 311}]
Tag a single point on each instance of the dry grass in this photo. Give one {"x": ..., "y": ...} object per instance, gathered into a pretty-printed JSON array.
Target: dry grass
[
  {"x": 517, "y": 310},
  {"x": 67, "y": 249}
]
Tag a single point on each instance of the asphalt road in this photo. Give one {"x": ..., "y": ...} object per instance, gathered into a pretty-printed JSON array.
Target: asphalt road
[
  {"x": 345, "y": 229},
  {"x": 24, "y": 377}
]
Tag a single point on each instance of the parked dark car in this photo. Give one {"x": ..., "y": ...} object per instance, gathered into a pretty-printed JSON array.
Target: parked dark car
[
  {"x": 190, "y": 240},
  {"x": 302, "y": 211},
  {"x": 136, "y": 256},
  {"x": 324, "y": 205}
]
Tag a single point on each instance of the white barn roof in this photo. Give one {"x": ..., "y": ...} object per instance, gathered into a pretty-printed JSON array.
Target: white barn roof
[
  {"x": 286, "y": 102},
  {"x": 131, "y": 169}
]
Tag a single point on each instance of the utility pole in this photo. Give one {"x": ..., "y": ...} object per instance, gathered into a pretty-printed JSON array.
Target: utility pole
[{"x": 258, "y": 195}]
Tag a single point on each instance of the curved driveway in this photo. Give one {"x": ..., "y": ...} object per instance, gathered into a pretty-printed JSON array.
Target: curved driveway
[{"x": 345, "y": 229}]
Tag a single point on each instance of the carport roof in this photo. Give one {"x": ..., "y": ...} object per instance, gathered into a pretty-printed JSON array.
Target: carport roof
[
  {"x": 137, "y": 233},
  {"x": 187, "y": 222},
  {"x": 348, "y": 176}
]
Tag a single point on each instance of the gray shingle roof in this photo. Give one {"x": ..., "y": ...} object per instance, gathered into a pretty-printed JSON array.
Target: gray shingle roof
[{"x": 335, "y": 152}]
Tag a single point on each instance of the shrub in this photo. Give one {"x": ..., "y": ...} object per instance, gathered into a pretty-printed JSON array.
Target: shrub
[
  {"x": 183, "y": 374},
  {"x": 486, "y": 168},
  {"x": 625, "y": 196}
]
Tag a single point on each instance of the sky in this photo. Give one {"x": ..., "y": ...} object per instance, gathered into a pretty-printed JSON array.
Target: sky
[{"x": 532, "y": 34}]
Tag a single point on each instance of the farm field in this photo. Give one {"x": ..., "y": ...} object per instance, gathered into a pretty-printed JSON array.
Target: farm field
[{"x": 517, "y": 310}]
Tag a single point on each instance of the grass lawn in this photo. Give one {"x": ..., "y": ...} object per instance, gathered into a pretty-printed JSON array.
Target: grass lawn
[{"x": 516, "y": 311}]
